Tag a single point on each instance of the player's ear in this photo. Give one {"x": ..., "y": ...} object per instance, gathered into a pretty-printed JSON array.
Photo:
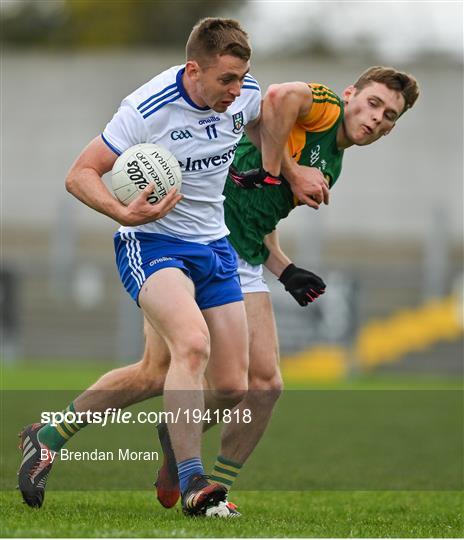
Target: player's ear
[
  {"x": 192, "y": 69},
  {"x": 348, "y": 92}
]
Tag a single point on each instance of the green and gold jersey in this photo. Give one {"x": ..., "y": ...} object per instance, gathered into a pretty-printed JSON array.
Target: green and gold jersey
[{"x": 252, "y": 214}]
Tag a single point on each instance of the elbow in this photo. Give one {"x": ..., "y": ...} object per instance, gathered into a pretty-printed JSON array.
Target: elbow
[
  {"x": 275, "y": 93},
  {"x": 286, "y": 94},
  {"x": 70, "y": 183}
]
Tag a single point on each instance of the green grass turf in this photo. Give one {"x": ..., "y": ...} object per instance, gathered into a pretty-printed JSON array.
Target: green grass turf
[
  {"x": 72, "y": 375},
  {"x": 265, "y": 514},
  {"x": 331, "y": 513},
  {"x": 51, "y": 375}
]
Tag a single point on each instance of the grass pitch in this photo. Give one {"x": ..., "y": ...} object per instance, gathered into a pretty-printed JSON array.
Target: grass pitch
[{"x": 267, "y": 513}]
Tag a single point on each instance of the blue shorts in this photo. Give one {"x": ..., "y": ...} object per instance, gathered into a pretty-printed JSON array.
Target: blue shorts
[{"x": 211, "y": 267}]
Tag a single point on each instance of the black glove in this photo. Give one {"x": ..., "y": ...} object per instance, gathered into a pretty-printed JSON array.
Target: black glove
[
  {"x": 302, "y": 284},
  {"x": 254, "y": 178}
]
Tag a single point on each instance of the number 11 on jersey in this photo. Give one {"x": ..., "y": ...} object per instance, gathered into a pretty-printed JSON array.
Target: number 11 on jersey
[{"x": 211, "y": 131}]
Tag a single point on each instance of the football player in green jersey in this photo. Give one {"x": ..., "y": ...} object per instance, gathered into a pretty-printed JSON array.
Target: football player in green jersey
[{"x": 312, "y": 127}]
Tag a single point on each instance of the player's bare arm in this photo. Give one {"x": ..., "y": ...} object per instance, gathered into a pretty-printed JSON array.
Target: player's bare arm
[
  {"x": 283, "y": 105},
  {"x": 277, "y": 260},
  {"x": 84, "y": 181}
]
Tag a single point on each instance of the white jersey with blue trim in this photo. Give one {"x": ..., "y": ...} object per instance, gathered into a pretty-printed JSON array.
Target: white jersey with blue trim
[{"x": 202, "y": 140}]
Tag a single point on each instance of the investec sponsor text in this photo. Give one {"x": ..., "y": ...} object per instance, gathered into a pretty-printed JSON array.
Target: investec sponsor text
[{"x": 207, "y": 162}]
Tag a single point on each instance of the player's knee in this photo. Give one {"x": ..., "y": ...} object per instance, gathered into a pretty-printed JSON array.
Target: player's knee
[
  {"x": 229, "y": 395},
  {"x": 268, "y": 385},
  {"x": 265, "y": 394},
  {"x": 192, "y": 350}
]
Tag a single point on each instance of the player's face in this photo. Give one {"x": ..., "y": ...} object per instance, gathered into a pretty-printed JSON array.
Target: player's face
[
  {"x": 371, "y": 112},
  {"x": 219, "y": 83}
]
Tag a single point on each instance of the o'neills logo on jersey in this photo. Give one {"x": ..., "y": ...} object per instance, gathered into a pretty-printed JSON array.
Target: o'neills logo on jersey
[
  {"x": 159, "y": 261},
  {"x": 209, "y": 120},
  {"x": 208, "y": 162}
]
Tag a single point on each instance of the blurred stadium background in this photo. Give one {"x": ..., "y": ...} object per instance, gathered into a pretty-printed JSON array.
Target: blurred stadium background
[{"x": 389, "y": 245}]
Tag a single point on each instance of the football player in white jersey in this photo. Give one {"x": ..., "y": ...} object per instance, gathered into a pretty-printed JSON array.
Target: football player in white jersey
[
  {"x": 173, "y": 257},
  {"x": 199, "y": 112}
]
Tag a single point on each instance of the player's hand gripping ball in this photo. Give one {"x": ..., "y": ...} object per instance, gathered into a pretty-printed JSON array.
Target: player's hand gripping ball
[{"x": 141, "y": 165}]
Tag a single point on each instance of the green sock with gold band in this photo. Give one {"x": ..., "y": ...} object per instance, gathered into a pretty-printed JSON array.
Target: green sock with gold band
[
  {"x": 56, "y": 436},
  {"x": 225, "y": 471}
]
